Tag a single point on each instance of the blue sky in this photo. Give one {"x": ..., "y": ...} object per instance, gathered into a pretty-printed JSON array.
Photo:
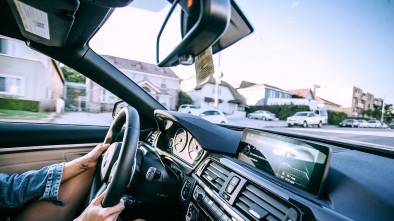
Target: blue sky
[{"x": 295, "y": 44}]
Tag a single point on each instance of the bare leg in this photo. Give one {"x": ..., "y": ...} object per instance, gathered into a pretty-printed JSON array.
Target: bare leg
[{"x": 71, "y": 192}]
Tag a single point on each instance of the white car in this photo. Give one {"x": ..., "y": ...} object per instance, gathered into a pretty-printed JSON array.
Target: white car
[
  {"x": 374, "y": 123},
  {"x": 261, "y": 114},
  {"x": 214, "y": 116},
  {"x": 323, "y": 114},
  {"x": 304, "y": 119},
  {"x": 188, "y": 109},
  {"x": 362, "y": 123}
]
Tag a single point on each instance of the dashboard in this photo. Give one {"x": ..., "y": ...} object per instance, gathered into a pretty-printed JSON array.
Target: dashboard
[{"x": 230, "y": 174}]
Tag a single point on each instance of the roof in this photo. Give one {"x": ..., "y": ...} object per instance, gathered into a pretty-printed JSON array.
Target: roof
[
  {"x": 132, "y": 65},
  {"x": 321, "y": 100},
  {"x": 246, "y": 84},
  {"x": 233, "y": 91},
  {"x": 301, "y": 92}
]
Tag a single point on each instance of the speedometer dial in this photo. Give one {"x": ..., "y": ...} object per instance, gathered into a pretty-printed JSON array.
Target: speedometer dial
[
  {"x": 180, "y": 140},
  {"x": 195, "y": 150}
]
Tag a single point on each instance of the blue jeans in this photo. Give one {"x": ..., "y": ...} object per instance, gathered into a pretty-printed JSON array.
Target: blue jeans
[{"x": 43, "y": 184}]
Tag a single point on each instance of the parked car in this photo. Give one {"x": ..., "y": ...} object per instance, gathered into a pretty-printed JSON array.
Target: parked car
[
  {"x": 374, "y": 124},
  {"x": 362, "y": 123},
  {"x": 261, "y": 114},
  {"x": 214, "y": 116},
  {"x": 304, "y": 119},
  {"x": 391, "y": 126},
  {"x": 323, "y": 114},
  {"x": 384, "y": 126},
  {"x": 349, "y": 123},
  {"x": 188, "y": 108}
]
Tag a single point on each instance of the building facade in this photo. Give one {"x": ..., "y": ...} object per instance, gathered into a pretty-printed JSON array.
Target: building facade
[
  {"x": 161, "y": 83},
  {"x": 259, "y": 94},
  {"x": 353, "y": 100},
  {"x": 26, "y": 74},
  {"x": 229, "y": 100}
]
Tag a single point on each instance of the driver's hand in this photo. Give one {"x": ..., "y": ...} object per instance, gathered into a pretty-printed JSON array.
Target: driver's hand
[
  {"x": 95, "y": 212},
  {"x": 90, "y": 159}
]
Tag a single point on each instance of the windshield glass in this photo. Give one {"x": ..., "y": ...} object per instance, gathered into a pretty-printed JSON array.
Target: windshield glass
[{"x": 334, "y": 56}]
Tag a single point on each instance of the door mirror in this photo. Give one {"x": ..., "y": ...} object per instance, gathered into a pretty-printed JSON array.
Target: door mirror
[
  {"x": 117, "y": 107},
  {"x": 216, "y": 23}
]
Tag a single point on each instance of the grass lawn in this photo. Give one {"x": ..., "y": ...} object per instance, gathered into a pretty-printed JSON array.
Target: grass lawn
[{"x": 4, "y": 113}]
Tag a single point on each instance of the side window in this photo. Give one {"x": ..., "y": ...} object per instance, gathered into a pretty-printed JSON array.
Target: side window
[{"x": 36, "y": 89}]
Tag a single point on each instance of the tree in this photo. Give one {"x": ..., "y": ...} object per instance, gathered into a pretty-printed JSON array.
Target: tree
[
  {"x": 387, "y": 113},
  {"x": 71, "y": 75},
  {"x": 183, "y": 98}
]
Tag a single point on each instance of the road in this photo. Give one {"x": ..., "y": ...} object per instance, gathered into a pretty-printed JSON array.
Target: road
[{"x": 366, "y": 135}]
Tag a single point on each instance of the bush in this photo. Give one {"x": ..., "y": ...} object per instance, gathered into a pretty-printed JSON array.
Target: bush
[
  {"x": 335, "y": 117},
  {"x": 19, "y": 104},
  {"x": 281, "y": 111}
]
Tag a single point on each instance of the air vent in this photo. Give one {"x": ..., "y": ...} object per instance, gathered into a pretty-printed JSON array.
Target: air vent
[
  {"x": 258, "y": 205},
  {"x": 216, "y": 175},
  {"x": 152, "y": 137}
]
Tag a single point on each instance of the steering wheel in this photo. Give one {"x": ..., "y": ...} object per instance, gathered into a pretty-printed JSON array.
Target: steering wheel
[{"x": 116, "y": 169}]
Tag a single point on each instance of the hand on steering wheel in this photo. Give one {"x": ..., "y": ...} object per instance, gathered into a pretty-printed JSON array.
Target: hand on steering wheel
[{"x": 116, "y": 169}]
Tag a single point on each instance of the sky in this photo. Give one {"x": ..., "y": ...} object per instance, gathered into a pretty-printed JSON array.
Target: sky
[{"x": 296, "y": 44}]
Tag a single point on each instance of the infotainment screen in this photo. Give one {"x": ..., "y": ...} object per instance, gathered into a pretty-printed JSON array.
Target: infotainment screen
[{"x": 301, "y": 163}]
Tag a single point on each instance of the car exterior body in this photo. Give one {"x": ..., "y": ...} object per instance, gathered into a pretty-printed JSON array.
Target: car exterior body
[
  {"x": 323, "y": 114},
  {"x": 384, "y": 126},
  {"x": 213, "y": 116},
  {"x": 261, "y": 114},
  {"x": 349, "y": 123},
  {"x": 188, "y": 108},
  {"x": 362, "y": 123},
  {"x": 374, "y": 124},
  {"x": 304, "y": 119},
  {"x": 391, "y": 126}
]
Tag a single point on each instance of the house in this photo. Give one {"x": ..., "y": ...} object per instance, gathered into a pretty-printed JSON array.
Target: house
[
  {"x": 229, "y": 100},
  {"x": 353, "y": 100},
  {"x": 259, "y": 94},
  {"x": 160, "y": 82},
  {"x": 303, "y": 93},
  {"x": 328, "y": 105},
  {"x": 26, "y": 74}
]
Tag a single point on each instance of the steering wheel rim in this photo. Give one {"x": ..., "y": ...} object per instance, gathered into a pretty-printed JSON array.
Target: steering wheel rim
[{"x": 115, "y": 178}]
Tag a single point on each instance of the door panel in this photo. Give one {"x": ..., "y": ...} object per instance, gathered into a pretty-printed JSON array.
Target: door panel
[{"x": 21, "y": 159}]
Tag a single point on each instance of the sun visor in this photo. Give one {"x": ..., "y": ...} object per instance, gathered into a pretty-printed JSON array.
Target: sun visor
[{"x": 47, "y": 24}]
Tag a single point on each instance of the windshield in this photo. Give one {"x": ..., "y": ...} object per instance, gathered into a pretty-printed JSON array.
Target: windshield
[{"x": 332, "y": 56}]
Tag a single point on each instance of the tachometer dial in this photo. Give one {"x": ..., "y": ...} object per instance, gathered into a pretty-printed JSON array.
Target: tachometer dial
[
  {"x": 180, "y": 140},
  {"x": 195, "y": 150}
]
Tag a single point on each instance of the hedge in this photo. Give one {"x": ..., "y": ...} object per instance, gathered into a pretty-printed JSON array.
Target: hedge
[
  {"x": 335, "y": 117},
  {"x": 19, "y": 104},
  {"x": 281, "y": 111}
]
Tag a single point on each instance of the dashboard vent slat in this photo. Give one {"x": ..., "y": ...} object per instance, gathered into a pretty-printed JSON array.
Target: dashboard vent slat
[
  {"x": 259, "y": 205},
  {"x": 216, "y": 175}
]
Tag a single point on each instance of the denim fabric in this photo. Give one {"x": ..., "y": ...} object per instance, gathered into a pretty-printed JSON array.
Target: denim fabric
[{"x": 43, "y": 184}]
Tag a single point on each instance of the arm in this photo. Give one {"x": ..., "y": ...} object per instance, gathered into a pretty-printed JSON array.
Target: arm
[{"x": 87, "y": 162}]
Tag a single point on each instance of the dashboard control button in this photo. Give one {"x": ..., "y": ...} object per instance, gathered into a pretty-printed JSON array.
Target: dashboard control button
[
  {"x": 230, "y": 188},
  {"x": 206, "y": 200},
  {"x": 214, "y": 208},
  {"x": 226, "y": 196},
  {"x": 224, "y": 217},
  {"x": 219, "y": 213},
  {"x": 234, "y": 181}
]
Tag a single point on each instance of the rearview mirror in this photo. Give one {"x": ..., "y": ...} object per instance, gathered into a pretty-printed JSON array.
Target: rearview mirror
[{"x": 216, "y": 23}]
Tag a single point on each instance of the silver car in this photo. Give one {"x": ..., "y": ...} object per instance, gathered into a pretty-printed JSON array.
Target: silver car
[{"x": 262, "y": 114}]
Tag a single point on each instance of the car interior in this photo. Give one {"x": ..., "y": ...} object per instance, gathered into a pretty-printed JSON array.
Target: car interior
[{"x": 176, "y": 166}]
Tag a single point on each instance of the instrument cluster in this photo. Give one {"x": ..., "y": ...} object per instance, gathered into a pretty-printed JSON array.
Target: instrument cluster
[{"x": 177, "y": 141}]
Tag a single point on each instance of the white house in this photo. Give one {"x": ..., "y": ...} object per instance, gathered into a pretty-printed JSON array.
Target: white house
[
  {"x": 161, "y": 83},
  {"x": 229, "y": 100},
  {"x": 258, "y": 94},
  {"x": 26, "y": 74}
]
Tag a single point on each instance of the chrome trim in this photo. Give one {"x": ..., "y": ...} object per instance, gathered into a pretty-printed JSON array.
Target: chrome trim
[{"x": 45, "y": 148}]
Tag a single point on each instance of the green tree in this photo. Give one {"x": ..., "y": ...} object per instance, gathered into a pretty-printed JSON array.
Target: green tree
[
  {"x": 183, "y": 98},
  {"x": 387, "y": 113},
  {"x": 72, "y": 75}
]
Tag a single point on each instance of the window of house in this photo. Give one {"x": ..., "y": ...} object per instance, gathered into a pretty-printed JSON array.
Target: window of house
[
  {"x": 11, "y": 85},
  {"x": 163, "y": 83}
]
